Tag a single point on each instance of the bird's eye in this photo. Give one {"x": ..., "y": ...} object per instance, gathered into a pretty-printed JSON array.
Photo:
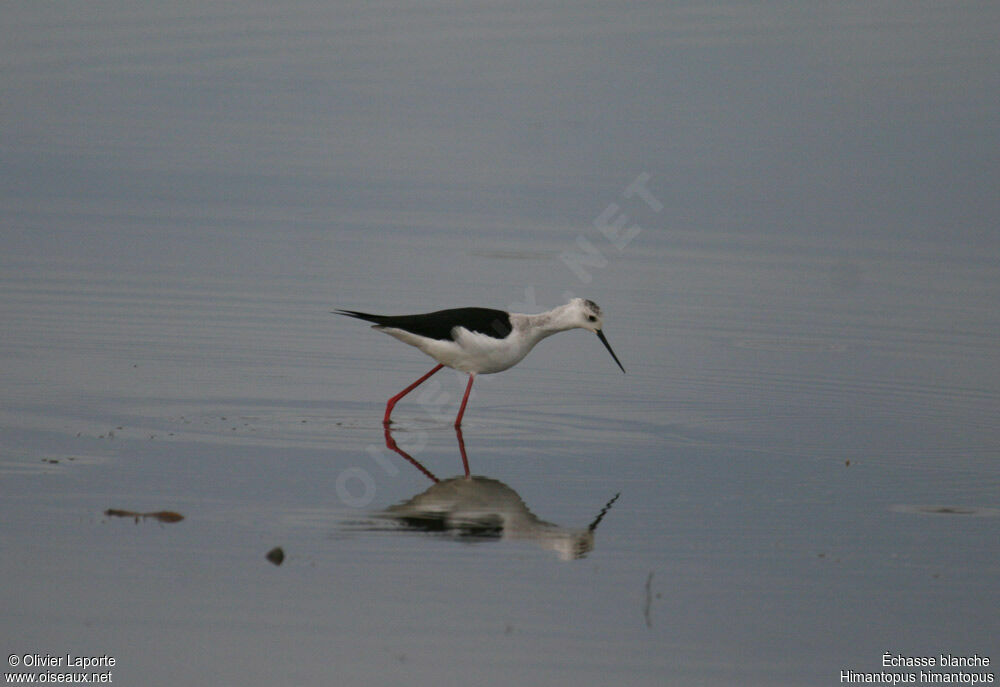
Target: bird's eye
[{"x": 591, "y": 318}]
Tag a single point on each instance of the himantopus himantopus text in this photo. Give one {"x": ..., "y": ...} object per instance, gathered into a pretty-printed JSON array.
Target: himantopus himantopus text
[{"x": 481, "y": 340}]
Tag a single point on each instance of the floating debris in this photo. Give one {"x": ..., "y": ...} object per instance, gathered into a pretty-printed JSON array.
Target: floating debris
[
  {"x": 647, "y": 608},
  {"x": 969, "y": 511},
  {"x": 167, "y": 516},
  {"x": 276, "y": 555}
]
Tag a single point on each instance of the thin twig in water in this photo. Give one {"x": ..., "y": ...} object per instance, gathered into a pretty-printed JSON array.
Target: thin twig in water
[{"x": 648, "y": 608}]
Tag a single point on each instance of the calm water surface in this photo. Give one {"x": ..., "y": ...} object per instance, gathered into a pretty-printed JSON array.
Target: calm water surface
[{"x": 797, "y": 474}]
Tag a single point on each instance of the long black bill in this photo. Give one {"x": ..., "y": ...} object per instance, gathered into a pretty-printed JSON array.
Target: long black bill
[
  {"x": 600, "y": 335},
  {"x": 604, "y": 511}
]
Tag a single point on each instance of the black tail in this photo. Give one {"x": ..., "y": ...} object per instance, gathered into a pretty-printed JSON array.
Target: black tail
[{"x": 377, "y": 319}]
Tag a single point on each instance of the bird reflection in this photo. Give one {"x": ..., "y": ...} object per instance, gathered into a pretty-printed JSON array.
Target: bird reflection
[{"x": 484, "y": 508}]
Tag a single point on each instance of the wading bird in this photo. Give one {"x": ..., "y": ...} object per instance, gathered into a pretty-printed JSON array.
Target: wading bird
[{"x": 481, "y": 340}]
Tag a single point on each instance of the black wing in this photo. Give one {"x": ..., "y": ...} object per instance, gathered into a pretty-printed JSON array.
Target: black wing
[{"x": 439, "y": 325}]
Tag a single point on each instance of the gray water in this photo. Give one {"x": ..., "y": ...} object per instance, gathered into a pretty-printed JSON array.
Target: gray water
[{"x": 787, "y": 212}]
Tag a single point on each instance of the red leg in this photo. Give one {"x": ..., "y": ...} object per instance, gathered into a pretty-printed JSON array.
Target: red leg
[
  {"x": 461, "y": 448},
  {"x": 390, "y": 443},
  {"x": 392, "y": 401},
  {"x": 465, "y": 399}
]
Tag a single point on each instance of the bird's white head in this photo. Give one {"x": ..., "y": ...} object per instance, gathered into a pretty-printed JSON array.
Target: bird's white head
[
  {"x": 580, "y": 312},
  {"x": 583, "y": 314}
]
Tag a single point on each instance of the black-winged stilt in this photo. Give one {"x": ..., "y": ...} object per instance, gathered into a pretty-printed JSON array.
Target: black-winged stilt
[{"x": 481, "y": 340}]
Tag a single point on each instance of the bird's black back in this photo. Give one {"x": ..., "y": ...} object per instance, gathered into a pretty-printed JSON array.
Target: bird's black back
[{"x": 439, "y": 325}]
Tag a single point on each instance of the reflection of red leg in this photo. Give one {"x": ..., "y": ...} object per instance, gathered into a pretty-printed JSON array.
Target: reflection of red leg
[
  {"x": 392, "y": 401},
  {"x": 461, "y": 448},
  {"x": 390, "y": 444},
  {"x": 465, "y": 399}
]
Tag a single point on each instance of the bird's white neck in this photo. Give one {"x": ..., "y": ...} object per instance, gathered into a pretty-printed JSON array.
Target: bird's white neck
[{"x": 547, "y": 323}]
